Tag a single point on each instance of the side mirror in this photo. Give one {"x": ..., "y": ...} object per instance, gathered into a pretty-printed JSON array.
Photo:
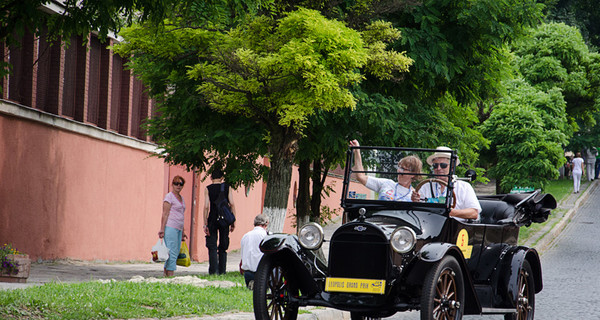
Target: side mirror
[{"x": 471, "y": 174}]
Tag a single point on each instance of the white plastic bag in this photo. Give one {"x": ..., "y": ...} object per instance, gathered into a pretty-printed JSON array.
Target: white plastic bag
[{"x": 160, "y": 252}]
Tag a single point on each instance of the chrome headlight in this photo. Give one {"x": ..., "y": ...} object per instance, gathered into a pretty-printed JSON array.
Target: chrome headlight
[
  {"x": 311, "y": 236},
  {"x": 403, "y": 239}
]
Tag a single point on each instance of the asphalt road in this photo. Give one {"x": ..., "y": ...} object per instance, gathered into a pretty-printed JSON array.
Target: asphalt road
[{"x": 570, "y": 267}]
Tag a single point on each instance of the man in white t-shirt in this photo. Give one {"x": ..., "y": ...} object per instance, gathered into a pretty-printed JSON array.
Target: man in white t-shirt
[
  {"x": 251, "y": 253},
  {"x": 467, "y": 204}
]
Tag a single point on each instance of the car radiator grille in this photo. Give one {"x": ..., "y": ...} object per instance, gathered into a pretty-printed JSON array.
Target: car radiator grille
[{"x": 358, "y": 255}]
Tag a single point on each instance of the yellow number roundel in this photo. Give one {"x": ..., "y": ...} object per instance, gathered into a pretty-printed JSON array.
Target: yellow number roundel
[{"x": 463, "y": 243}]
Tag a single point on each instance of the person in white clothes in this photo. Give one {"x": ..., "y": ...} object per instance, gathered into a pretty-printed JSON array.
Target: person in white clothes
[
  {"x": 251, "y": 253},
  {"x": 387, "y": 188},
  {"x": 467, "y": 204},
  {"x": 590, "y": 163},
  {"x": 578, "y": 171}
]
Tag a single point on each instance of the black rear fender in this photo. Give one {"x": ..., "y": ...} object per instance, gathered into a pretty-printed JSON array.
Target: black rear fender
[{"x": 511, "y": 280}]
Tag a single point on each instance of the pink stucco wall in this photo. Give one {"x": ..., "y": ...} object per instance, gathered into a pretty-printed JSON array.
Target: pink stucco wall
[{"x": 68, "y": 195}]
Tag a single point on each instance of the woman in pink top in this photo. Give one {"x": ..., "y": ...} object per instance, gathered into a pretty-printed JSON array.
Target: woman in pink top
[{"x": 171, "y": 227}]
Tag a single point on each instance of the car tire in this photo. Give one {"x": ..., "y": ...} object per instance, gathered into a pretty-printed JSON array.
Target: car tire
[
  {"x": 443, "y": 295},
  {"x": 272, "y": 292},
  {"x": 526, "y": 298},
  {"x": 358, "y": 316}
]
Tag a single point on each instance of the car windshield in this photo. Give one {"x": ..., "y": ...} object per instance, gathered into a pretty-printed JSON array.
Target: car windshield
[{"x": 385, "y": 174}]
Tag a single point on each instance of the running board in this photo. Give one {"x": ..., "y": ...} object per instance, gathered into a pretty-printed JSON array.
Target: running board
[{"x": 497, "y": 310}]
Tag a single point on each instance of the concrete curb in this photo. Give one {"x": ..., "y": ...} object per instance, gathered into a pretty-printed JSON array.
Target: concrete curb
[
  {"x": 547, "y": 238},
  {"x": 315, "y": 314}
]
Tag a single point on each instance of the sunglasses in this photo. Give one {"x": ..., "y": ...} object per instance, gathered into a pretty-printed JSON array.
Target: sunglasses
[
  {"x": 442, "y": 165},
  {"x": 178, "y": 184}
]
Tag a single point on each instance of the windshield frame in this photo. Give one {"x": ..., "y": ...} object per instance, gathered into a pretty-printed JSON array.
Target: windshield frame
[{"x": 348, "y": 203}]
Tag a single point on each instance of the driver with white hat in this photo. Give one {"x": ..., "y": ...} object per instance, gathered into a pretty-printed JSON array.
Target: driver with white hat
[{"x": 467, "y": 205}]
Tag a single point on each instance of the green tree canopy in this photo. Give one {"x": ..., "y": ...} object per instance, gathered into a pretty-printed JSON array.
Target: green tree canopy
[
  {"x": 80, "y": 17},
  {"x": 583, "y": 14},
  {"x": 527, "y": 132},
  {"x": 272, "y": 73},
  {"x": 554, "y": 55}
]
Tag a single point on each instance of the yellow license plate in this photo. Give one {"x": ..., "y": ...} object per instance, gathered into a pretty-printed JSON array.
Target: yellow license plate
[{"x": 355, "y": 285}]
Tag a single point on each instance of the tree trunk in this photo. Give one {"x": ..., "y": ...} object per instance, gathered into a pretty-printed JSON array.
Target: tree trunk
[
  {"x": 303, "y": 201},
  {"x": 317, "y": 188},
  {"x": 281, "y": 149},
  {"x": 498, "y": 188}
]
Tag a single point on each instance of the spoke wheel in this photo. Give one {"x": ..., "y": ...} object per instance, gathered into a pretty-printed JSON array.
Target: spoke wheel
[
  {"x": 526, "y": 298},
  {"x": 272, "y": 292},
  {"x": 440, "y": 181},
  {"x": 443, "y": 293}
]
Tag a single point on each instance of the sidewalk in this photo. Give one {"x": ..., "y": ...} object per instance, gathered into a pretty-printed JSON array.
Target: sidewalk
[
  {"x": 68, "y": 271},
  {"x": 78, "y": 271},
  {"x": 71, "y": 271}
]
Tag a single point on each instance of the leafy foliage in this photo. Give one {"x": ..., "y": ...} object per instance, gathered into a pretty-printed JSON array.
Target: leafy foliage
[
  {"x": 264, "y": 79},
  {"x": 279, "y": 72},
  {"x": 459, "y": 46},
  {"x": 527, "y": 130},
  {"x": 582, "y": 14},
  {"x": 554, "y": 55}
]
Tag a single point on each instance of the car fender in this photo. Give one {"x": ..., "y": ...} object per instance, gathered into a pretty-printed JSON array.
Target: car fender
[
  {"x": 300, "y": 262},
  {"x": 517, "y": 256},
  {"x": 434, "y": 252}
]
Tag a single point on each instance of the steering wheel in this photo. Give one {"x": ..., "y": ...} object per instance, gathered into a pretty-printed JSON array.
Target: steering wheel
[{"x": 440, "y": 181}]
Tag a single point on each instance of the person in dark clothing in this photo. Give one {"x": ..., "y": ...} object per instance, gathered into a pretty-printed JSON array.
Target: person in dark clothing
[{"x": 217, "y": 254}]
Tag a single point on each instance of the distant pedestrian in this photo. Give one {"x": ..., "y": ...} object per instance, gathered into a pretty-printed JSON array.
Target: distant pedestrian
[
  {"x": 597, "y": 169},
  {"x": 569, "y": 155},
  {"x": 251, "y": 253},
  {"x": 172, "y": 222},
  {"x": 217, "y": 254},
  {"x": 578, "y": 171},
  {"x": 590, "y": 163}
]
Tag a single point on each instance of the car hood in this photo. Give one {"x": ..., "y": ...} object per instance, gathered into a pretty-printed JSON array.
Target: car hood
[{"x": 426, "y": 224}]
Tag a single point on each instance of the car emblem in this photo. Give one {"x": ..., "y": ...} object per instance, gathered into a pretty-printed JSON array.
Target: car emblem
[{"x": 360, "y": 228}]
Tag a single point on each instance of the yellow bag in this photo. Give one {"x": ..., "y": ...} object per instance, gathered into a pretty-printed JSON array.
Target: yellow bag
[{"x": 184, "y": 256}]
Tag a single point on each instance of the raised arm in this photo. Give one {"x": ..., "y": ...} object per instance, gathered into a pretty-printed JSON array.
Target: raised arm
[{"x": 358, "y": 166}]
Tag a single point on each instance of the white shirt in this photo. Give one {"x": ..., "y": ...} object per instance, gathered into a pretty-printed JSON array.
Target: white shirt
[
  {"x": 251, "y": 253},
  {"x": 577, "y": 162},
  {"x": 389, "y": 190},
  {"x": 465, "y": 195}
]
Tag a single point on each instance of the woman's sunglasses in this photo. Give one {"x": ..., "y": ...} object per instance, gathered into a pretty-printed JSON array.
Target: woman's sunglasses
[
  {"x": 178, "y": 184},
  {"x": 442, "y": 165}
]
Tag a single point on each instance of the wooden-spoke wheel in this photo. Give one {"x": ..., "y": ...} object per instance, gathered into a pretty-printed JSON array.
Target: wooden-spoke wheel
[
  {"x": 442, "y": 182},
  {"x": 443, "y": 293},
  {"x": 272, "y": 292},
  {"x": 526, "y": 298}
]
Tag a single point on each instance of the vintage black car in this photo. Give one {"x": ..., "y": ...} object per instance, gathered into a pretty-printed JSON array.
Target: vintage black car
[{"x": 393, "y": 256}]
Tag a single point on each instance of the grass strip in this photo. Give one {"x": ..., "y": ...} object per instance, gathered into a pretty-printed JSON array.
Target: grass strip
[{"x": 122, "y": 300}]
